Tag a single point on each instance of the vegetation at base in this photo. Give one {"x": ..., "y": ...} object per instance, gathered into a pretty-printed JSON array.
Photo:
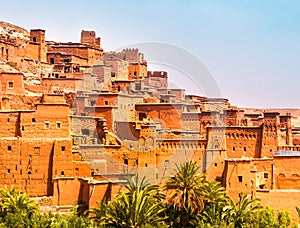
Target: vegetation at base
[{"x": 186, "y": 199}]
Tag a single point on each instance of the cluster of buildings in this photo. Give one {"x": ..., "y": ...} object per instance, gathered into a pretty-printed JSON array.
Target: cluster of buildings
[{"x": 76, "y": 121}]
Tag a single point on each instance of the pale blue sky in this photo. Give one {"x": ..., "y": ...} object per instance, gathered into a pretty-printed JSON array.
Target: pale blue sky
[{"x": 251, "y": 47}]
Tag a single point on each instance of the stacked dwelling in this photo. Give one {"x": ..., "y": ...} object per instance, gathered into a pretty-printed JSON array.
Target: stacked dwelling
[{"x": 76, "y": 121}]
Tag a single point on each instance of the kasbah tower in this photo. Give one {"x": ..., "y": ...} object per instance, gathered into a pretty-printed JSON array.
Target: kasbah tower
[{"x": 76, "y": 121}]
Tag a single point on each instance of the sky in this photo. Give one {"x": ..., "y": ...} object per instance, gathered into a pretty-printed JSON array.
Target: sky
[{"x": 251, "y": 47}]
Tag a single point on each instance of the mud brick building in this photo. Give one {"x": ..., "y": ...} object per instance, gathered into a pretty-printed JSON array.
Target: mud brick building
[{"x": 76, "y": 121}]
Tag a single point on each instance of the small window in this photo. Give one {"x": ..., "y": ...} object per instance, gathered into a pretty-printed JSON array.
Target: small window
[
  {"x": 93, "y": 103},
  {"x": 34, "y": 39},
  {"x": 23, "y": 128},
  {"x": 62, "y": 173},
  {"x": 8, "y": 147},
  {"x": 233, "y": 149},
  {"x": 8, "y": 120},
  {"x": 47, "y": 125},
  {"x": 106, "y": 102},
  {"x": 266, "y": 175},
  {"x": 51, "y": 60},
  {"x": 216, "y": 164},
  {"x": 33, "y": 120},
  {"x": 29, "y": 172},
  {"x": 58, "y": 125},
  {"x": 245, "y": 149},
  {"x": 63, "y": 148},
  {"x": 37, "y": 151},
  {"x": 125, "y": 161},
  {"x": 10, "y": 85},
  {"x": 240, "y": 178},
  {"x": 8, "y": 171}
]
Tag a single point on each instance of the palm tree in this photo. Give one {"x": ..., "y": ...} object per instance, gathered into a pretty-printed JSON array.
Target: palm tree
[
  {"x": 140, "y": 205},
  {"x": 186, "y": 193},
  {"x": 16, "y": 202},
  {"x": 243, "y": 212},
  {"x": 216, "y": 203},
  {"x": 99, "y": 214}
]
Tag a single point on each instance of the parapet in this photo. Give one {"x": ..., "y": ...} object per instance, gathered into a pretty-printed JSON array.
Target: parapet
[{"x": 161, "y": 74}]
